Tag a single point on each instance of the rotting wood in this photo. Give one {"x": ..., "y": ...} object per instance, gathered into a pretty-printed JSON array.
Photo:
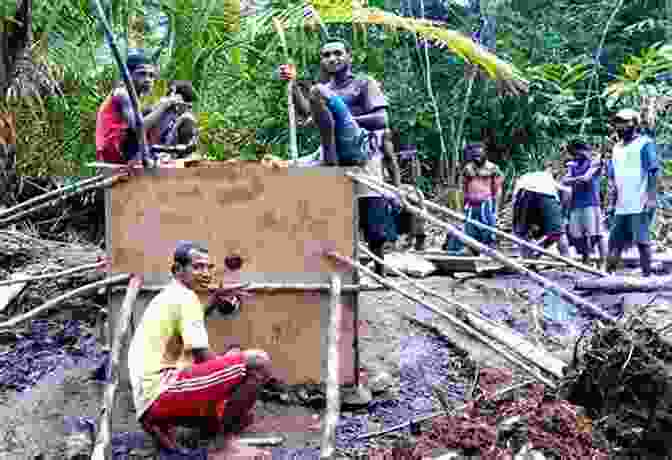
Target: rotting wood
[
  {"x": 458, "y": 409},
  {"x": 109, "y": 182},
  {"x": 467, "y": 240},
  {"x": 333, "y": 364},
  {"x": 375, "y": 184},
  {"x": 51, "y": 275},
  {"x": 60, "y": 299},
  {"x": 464, "y": 326},
  {"x": 9, "y": 293},
  {"x": 102, "y": 449}
]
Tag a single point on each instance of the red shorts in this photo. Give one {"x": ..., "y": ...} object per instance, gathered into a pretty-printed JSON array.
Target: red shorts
[{"x": 200, "y": 391}]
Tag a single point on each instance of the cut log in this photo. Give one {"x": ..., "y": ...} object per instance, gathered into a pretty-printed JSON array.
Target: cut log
[
  {"x": 9, "y": 293},
  {"x": 102, "y": 449},
  {"x": 615, "y": 284}
]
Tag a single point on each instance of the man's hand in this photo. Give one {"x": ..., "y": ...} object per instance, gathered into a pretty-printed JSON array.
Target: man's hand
[
  {"x": 287, "y": 72},
  {"x": 232, "y": 294}
]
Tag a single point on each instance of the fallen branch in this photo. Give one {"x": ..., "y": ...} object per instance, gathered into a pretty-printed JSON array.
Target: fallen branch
[
  {"x": 44, "y": 196},
  {"x": 333, "y": 364},
  {"x": 626, "y": 284},
  {"x": 481, "y": 248},
  {"x": 102, "y": 449},
  {"x": 401, "y": 426},
  {"x": 109, "y": 182},
  {"x": 52, "y": 275},
  {"x": 431, "y": 205},
  {"x": 466, "y": 327},
  {"x": 58, "y": 300}
]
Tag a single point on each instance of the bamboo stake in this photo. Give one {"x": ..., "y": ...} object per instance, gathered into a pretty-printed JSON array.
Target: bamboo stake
[
  {"x": 491, "y": 328},
  {"x": 293, "y": 148},
  {"x": 109, "y": 182},
  {"x": 102, "y": 448},
  {"x": 52, "y": 275},
  {"x": 460, "y": 408},
  {"x": 472, "y": 243},
  {"x": 333, "y": 393},
  {"x": 54, "y": 302},
  {"x": 463, "y": 218},
  {"x": 466, "y": 327},
  {"x": 44, "y": 196}
]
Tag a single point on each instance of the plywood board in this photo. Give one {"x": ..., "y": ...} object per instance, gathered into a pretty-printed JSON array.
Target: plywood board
[{"x": 278, "y": 220}]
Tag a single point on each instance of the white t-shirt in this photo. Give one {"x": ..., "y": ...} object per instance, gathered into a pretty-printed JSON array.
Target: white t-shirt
[{"x": 539, "y": 182}]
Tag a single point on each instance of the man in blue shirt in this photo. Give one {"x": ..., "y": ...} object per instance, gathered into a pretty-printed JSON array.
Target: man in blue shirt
[
  {"x": 585, "y": 227},
  {"x": 633, "y": 170}
]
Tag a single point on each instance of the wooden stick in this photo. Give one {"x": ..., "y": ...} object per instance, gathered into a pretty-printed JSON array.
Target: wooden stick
[
  {"x": 109, "y": 182},
  {"x": 462, "y": 217},
  {"x": 102, "y": 449},
  {"x": 432, "y": 256},
  {"x": 270, "y": 288},
  {"x": 401, "y": 426},
  {"x": 44, "y": 196},
  {"x": 58, "y": 300},
  {"x": 476, "y": 245},
  {"x": 453, "y": 320},
  {"x": 626, "y": 284},
  {"x": 333, "y": 393},
  {"x": 52, "y": 275}
]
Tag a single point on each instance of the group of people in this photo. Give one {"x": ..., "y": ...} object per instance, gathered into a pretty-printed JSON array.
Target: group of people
[{"x": 567, "y": 211}]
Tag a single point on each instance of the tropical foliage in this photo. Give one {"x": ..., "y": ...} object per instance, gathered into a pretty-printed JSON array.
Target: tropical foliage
[{"x": 558, "y": 69}]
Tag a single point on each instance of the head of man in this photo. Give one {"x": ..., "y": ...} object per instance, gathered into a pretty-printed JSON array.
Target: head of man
[
  {"x": 626, "y": 123},
  {"x": 475, "y": 152},
  {"x": 580, "y": 151},
  {"x": 335, "y": 56},
  {"x": 191, "y": 266},
  {"x": 143, "y": 72}
]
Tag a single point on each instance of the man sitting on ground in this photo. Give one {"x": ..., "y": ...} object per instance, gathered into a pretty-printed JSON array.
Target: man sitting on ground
[{"x": 176, "y": 379}]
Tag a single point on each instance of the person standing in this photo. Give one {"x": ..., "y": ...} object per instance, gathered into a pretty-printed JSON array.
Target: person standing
[
  {"x": 351, "y": 114},
  {"x": 633, "y": 170},
  {"x": 585, "y": 227}
]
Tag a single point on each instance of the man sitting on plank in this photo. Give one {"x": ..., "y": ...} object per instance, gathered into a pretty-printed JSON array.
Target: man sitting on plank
[
  {"x": 536, "y": 203},
  {"x": 176, "y": 379},
  {"x": 116, "y": 124},
  {"x": 585, "y": 228},
  {"x": 633, "y": 169}
]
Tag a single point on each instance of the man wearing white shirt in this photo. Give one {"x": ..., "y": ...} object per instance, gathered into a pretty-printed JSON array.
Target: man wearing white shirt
[{"x": 536, "y": 202}]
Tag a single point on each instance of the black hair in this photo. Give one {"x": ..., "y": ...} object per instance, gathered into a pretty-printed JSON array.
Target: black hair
[
  {"x": 343, "y": 42},
  {"x": 183, "y": 254},
  {"x": 185, "y": 89}
]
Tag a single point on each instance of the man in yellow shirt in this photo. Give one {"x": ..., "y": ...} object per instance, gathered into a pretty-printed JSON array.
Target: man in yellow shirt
[{"x": 176, "y": 379}]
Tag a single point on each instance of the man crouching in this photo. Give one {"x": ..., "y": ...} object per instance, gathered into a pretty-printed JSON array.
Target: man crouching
[{"x": 176, "y": 379}]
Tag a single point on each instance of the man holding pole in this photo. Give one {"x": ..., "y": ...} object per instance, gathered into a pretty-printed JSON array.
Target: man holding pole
[
  {"x": 633, "y": 169},
  {"x": 176, "y": 379},
  {"x": 351, "y": 115}
]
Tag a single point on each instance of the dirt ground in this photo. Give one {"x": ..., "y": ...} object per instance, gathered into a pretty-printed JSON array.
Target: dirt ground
[{"x": 390, "y": 343}]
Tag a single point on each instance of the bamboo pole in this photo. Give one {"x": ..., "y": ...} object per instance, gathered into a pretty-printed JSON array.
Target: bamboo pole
[
  {"x": 457, "y": 322},
  {"x": 472, "y": 243},
  {"x": 52, "y": 275},
  {"x": 293, "y": 148},
  {"x": 102, "y": 448},
  {"x": 463, "y": 218},
  {"x": 44, "y": 196},
  {"x": 270, "y": 288},
  {"x": 109, "y": 182},
  {"x": 491, "y": 328},
  {"x": 333, "y": 374},
  {"x": 54, "y": 302}
]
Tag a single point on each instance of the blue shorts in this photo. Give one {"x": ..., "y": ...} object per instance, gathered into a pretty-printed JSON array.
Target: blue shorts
[{"x": 631, "y": 228}]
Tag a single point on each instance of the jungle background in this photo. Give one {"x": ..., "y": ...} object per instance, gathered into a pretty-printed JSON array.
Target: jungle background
[{"x": 581, "y": 58}]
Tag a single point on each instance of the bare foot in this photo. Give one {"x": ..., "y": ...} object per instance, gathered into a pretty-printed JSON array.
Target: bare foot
[{"x": 230, "y": 449}]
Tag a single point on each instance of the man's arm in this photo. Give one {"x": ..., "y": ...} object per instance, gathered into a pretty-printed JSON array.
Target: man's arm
[
  {"x": 390, "y": 159},
  {"x": 651, "y": 166},
  {"x": 372, "y": 121}
]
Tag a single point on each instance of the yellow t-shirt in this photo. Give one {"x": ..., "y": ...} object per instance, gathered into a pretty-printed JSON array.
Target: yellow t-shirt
[{"x": 173, "y": 323}]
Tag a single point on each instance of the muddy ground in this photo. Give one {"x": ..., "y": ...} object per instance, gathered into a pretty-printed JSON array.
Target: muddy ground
[{"x": 414, "y": 357}]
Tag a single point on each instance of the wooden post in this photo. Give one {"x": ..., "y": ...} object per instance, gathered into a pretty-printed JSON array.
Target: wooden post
[
  {"x": 102, "y": 447},
  {"x": 333, "y": 364}
]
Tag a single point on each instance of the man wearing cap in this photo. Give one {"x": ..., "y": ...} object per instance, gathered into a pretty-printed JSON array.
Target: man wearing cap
[
  {"x": 536, "y": 203},
  {"x": 176, "y": 378},
  {"x": 351, "y": 114},
  {"x": 585, "y": 227},
  {"x": 115, "y": 123},
  {"x": 633, "y": 169}
]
